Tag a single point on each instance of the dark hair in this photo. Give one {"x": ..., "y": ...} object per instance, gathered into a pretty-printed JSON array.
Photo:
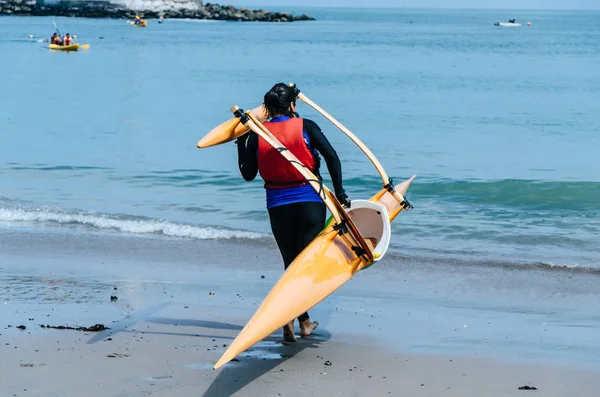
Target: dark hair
[{"x": 278, "y": 99}]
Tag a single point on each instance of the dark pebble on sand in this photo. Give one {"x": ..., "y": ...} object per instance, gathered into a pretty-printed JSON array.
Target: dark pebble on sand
[
  {"x": 211, "y": 293},
  {"x": 262, "y": 276},
  {"x": 115, "y": 288},
  {"x": 527, "y": 388},
  {"x": 327, "y": 363},
  {"x": 113, "y": 298},
  {"x": 186, "y": 307},
  {"x": 22, "y": 327}
]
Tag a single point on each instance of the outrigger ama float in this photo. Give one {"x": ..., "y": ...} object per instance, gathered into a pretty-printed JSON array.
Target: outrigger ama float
[{"x": 352, "y": 240}]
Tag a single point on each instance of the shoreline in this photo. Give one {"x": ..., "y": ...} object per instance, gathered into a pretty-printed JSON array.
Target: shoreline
[{"x": 532, "y": 315}]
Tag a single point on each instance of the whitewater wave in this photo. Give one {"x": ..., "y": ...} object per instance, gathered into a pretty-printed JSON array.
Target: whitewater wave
[
  {"x": 124, "y": 224},
  {"x": 568, "y": 267}
]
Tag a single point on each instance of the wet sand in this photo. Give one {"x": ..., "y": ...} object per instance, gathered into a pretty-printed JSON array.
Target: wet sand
[
  {"x": 173, "y": 356},
  {"x": 402, "y": 329}
]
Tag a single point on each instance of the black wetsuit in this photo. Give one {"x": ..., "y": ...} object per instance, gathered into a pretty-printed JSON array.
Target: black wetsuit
[{"x": 295, "y": 225}]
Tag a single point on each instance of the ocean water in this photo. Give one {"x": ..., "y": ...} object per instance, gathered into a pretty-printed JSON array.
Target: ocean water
[{"x": 500, "y": 126}]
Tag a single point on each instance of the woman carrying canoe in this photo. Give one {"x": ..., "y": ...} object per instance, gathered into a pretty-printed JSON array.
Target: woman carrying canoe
[{"x": 296, "y": 212}]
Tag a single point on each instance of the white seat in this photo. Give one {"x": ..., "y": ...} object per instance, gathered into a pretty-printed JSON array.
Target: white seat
[{"x": 373, "y": 223}]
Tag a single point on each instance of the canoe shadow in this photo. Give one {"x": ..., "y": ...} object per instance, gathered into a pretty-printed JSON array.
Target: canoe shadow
[
  {"x": 259, "y": 360},
  {"x": 191, "y": 323},
  {"x": 146, "y": 315},
  {"x": 234, "y": 376}
]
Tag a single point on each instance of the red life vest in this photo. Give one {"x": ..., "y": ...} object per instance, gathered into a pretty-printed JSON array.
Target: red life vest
[{"x": 273, "y": 167}]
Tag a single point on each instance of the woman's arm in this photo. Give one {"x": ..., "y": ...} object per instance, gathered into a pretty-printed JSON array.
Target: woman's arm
[
  {"x": 319, "y": 142},
  {"x": 247, "y": 146}
]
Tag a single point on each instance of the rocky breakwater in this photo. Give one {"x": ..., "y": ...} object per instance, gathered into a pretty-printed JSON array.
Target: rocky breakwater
[{"x": 147, "y": 9}]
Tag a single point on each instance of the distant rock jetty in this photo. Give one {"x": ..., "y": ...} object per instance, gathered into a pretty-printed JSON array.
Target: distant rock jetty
[{"x": 147, "y": 9}]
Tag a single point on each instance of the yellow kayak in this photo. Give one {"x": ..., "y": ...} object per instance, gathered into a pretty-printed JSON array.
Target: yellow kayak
[
  {"x": 142, "y": 24},
  {"x": 72, "y": 47}
]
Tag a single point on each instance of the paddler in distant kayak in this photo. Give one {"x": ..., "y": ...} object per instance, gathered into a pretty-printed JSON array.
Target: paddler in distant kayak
[
  {"x": 55, "y": 39},
  {"x": 296, "y": 212},
  {"x": 137, "y": 20},
  {"x": 67, "y": 40}
]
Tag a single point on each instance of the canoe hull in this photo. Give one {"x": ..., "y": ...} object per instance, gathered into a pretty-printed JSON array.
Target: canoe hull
[
  {"x": 230, "y": 129},
  {"x": 325, "y": 265}
]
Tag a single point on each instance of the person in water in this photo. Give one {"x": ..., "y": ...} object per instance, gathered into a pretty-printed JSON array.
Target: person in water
[
  {"x": 55, "y": 39},
  {"x": 67, "y": 40},
  {"x": 296, "y": 212}
]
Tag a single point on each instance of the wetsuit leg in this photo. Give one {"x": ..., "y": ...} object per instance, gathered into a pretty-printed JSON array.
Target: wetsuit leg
[
  {"x": 284, "y": 231},
  {"x": 294, "y": 226},
  {"x": 311, "y": 222}
]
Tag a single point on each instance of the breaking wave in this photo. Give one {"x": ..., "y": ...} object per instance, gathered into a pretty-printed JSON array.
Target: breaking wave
[{"x": 121, "y": 223}]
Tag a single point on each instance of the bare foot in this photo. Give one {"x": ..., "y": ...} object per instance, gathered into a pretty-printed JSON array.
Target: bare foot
[
  {"x": 288, "y": 332},
  {"x": 307, "y": 327}
]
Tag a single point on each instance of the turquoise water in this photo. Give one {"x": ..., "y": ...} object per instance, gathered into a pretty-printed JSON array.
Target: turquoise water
[{"x": 500, "y": 125}]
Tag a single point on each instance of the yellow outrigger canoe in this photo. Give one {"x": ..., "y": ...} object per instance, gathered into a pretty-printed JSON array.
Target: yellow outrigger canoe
[{"x": 352, "y": 240}]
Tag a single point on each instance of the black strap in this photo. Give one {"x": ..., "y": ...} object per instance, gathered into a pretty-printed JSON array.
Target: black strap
[
  {"x": 341, "y": 227},
  {"x": 358, "y": 251},
  {"x": 295, "y": 89},
  {"x": 406, "y": 204},
  {"x": 389, "y": 186}
]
